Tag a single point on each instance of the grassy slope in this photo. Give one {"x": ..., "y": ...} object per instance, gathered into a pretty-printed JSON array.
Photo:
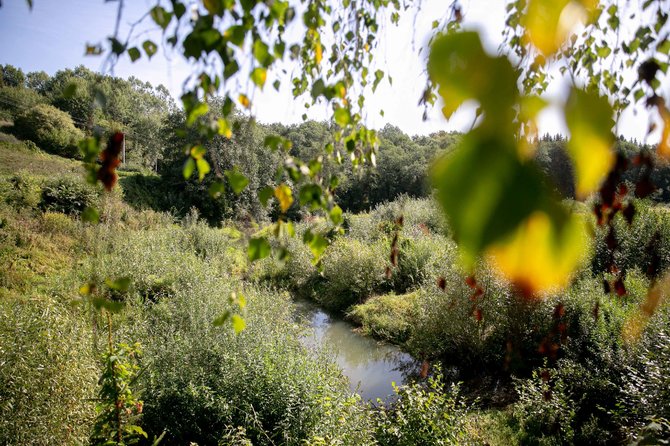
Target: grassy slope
[{"x": 15, "y": 157}]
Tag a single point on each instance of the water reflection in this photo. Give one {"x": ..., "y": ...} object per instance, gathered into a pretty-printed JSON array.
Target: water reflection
[{"x": 370, "y": 366}]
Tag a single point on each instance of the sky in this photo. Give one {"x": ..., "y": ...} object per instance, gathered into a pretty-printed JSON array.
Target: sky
[{"x": 53, "y": 36}]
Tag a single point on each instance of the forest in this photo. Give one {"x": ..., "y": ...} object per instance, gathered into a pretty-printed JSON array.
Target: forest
[{"x": 170, "y": 268}]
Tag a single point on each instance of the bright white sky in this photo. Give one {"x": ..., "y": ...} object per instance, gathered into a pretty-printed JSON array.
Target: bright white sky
[{"x": 53, "y": 36}]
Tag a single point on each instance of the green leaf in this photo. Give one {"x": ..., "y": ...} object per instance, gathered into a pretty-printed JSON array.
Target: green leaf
[
  {"x": 259, "y": 76},
  {"x": 198, "y": 151},
  {"x": 216, "y": 189},
  {"x": 90, "y": 215},
  {"x": 200, "y": 109},
  {"x": 379, "y": 75},
  {"x": 150, "y": 48},
  {"x": 134, "y": 54},
  {"x": 237, "y": 180},
  {"x": 214, "y": 7},
  {"x": 589, "y": 119},
  {"x": 262, "y": 53},
  {"x": 265, "y": 194},
  {"x": 238, "y": 323},
  {"x": 101, "y": 303},
  {"x": 120, "y": 284},
  {"x": 482, "y": 199},
  {"x": 463, "y": 71},
  {"x": 311, "y": 194},
  {"x": 221, "y": 319},
  {"x": 259, "y": 248},
  {"x": 336, "y": 215},
  {"x": 203, "y": 168},
  {"x": 189, "y": 167},
  {"x": 161, "y": 16},
  {"x": 117, "y": 47},
  {"x": 342, "y": 116}
]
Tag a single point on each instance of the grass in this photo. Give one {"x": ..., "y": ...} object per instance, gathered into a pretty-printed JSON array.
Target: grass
[{"x": 15, "y": 157}]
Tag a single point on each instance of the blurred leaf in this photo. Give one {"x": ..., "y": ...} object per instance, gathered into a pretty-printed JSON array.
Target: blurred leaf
[
  {"x": 150, "y": 48},
  {"x": 224, "y": 128},
  {"x": 238, "y": 323},
  {"x": 542, "y": 25},
  {"x": 203, "y": 168},
  {"x": 90, "y": 215},
  {"x": 589, "y": 119},
  {"x": 336, "y": 215},
  {"x": 259, "y": 76},
  {"x": 198, "y": 151},
  {"x": 485, "y": 201},
  {"x": 284, "y": 195},
  {"x": 265, "y": 194},
  {"x": 312, "y": 195},
  {"x": 214, "y": 7},
  {"x": 259, "y": 248},
  {"x": 244, "y": 101},
  {"x": 543, "y": 252},
  {"x": 463, "y": 71},
  {"x": 189, "y": 167},
  {"x": 199, "y": 109},
  {"x": 100, "y": 303},
  {"x": 342, "y": 116},
  {"x": 121, "y": 284},
  {"x": 216, "y": 189},
  {"x": 220, "y": 320},
  {"x": 237, "y": 180},
  {"x": 134, "y": 54},
  {"x": 161, "y": 16}
]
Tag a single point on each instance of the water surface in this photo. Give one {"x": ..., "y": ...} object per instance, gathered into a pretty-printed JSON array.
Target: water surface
[{"x": 371, "y": 366}]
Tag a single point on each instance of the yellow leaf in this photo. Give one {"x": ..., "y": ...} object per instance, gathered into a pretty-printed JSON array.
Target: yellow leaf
[
  {"x": 589, "y": 119},
  {"x": 224, "y": 128},
  {"x": 664, "y": 144},
  {"x": 541, "y": 256},
  {"x": 548, "y": 23},
  {"x": 284, "y": 195},
  {"x": 318, "y": 53},
  {"x": 244, "y": 101}
]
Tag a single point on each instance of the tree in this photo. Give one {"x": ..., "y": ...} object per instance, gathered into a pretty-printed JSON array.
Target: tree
[{"x": 507, "y": 212}]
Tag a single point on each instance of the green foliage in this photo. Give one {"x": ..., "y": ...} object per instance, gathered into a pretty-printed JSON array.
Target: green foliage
[
  {"x": 387, "y": 317},
  {"x": 51, "y": 129},
  {"x": 352, "y": 272},
  {"x": 544, "y": 411},
  {"x": 16, "y": 100},
  {"x": 118, "y": 409},
  {"x": 21, "y": 191},
  {"x": 48, "y": 372},
  {"x": 68, "y": 195},
  {"x": 430, "y": 413}
]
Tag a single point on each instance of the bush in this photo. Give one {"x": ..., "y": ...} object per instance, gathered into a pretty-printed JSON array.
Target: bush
[
  {"x": 15, "y": 100},
  {"x": 352, "y": 272},
  {"x": 50, "y": 128},
  {"x": 21, "y": 190},
  {"x": 68, "y": 195},
  {"x": 430, "y": 414},
  {"x": 48, "y": 374},
  {"x": 389, "y": 317}
]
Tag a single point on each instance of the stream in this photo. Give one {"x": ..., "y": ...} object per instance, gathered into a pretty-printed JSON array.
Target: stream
[{"x": 370, "y": 365}]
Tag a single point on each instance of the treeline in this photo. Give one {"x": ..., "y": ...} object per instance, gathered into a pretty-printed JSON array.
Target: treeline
[{"x": 55, "y": 111}]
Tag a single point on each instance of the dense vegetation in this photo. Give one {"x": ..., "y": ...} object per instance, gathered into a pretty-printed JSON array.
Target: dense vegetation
[{"x": 167, "y": 264}]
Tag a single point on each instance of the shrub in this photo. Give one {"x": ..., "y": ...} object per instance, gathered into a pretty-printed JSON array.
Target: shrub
[
  {"x": 48, "y": 373},
  {"x": 430, "y": 414},
  {"x": 388, "y": 317},
  {"x": 544, "y": 411},
  {"x": 352, "y": 272},
  {"x": 21, "y": 190},
  {"x": 67, "y": 195},
  {"x": 14, "y": 100},
  {"x": 50, "y": 128}
]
